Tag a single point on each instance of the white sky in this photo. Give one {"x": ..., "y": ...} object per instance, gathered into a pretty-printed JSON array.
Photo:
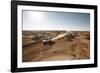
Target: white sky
[{"x": 41, "y": 20}]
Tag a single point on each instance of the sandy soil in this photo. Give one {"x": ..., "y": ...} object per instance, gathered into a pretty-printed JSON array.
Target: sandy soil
[{"x": 63, "y": 49}]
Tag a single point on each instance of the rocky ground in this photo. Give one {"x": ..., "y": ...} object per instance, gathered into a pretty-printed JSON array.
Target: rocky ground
[{"x": 67, "y": 48}]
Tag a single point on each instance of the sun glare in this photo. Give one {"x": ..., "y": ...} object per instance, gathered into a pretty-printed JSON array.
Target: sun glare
[{"x": 38, "y": 15}]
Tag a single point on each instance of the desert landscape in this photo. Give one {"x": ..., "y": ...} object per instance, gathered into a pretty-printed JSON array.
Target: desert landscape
[{"x": 55, "y": 45}]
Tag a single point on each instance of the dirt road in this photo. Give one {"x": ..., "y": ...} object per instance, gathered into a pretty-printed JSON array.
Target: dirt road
[{"x": 61, "y": 50}]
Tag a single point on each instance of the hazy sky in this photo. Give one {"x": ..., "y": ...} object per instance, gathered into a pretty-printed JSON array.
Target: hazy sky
[{"x": 42, "y": 20}]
